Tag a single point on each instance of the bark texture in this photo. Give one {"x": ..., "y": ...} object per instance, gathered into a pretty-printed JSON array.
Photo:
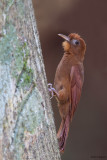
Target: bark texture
[{"x": 27, "y": 129}]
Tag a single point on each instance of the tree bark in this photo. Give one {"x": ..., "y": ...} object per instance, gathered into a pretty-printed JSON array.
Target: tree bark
[{"x": 27, "y": 129}]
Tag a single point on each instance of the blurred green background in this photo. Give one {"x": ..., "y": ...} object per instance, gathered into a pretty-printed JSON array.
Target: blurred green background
[{"x": 88, "y": 133}]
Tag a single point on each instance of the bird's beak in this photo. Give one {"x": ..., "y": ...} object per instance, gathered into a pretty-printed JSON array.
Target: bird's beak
[{"x": 64, "y": 37}]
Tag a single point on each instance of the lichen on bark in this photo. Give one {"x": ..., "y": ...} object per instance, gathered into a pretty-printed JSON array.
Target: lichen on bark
[{"x": 27, "y": 129}]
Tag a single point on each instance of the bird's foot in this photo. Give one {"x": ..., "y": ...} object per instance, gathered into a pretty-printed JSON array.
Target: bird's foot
[{"x": 51, "y": 90}]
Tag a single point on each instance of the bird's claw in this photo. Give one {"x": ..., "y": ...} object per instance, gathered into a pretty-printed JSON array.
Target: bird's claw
[
  {"x": 51, "y": 90},
  {"x": 50, "y": 85}
]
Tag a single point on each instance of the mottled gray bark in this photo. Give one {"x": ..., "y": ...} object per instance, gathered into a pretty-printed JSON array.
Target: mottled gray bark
[{"x": 27, "y": 129}]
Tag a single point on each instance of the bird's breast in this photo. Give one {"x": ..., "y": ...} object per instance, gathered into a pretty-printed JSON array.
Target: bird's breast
[{"x": 62, "y": 76}]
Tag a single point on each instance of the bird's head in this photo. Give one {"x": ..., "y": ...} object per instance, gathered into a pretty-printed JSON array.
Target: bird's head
[{"x": 74, "y": 44}]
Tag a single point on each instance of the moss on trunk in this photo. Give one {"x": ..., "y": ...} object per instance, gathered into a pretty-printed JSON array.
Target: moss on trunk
[{"x": 27, "y": 129}]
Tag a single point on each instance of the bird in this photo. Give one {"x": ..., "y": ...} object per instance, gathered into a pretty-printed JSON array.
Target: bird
[{"x": 68, "y": 83}]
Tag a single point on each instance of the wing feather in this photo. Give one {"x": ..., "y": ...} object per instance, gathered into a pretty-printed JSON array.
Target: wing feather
[{"x": 77, "y": 78}]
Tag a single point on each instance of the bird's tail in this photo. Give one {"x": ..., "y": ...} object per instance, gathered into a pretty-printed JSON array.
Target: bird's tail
[{"x": 63, "y": 132}]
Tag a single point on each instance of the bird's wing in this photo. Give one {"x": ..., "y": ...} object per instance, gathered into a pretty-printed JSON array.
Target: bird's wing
[{"x": 77, "y": 78}]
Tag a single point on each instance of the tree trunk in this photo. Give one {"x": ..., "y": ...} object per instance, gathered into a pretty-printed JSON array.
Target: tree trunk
[{"x": 27, "y": 129}]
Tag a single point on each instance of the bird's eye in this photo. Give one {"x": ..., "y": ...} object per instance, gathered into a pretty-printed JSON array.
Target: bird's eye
[{"x": 75, "y": 42}]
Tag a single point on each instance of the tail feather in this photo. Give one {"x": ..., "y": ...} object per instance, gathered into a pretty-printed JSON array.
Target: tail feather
[
  {"x": 64, "y": 129},
  {"x": 60, "y": 128}
]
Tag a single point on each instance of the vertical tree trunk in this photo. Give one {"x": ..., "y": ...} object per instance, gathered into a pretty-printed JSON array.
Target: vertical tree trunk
[{"x": 27, "y": 129}]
